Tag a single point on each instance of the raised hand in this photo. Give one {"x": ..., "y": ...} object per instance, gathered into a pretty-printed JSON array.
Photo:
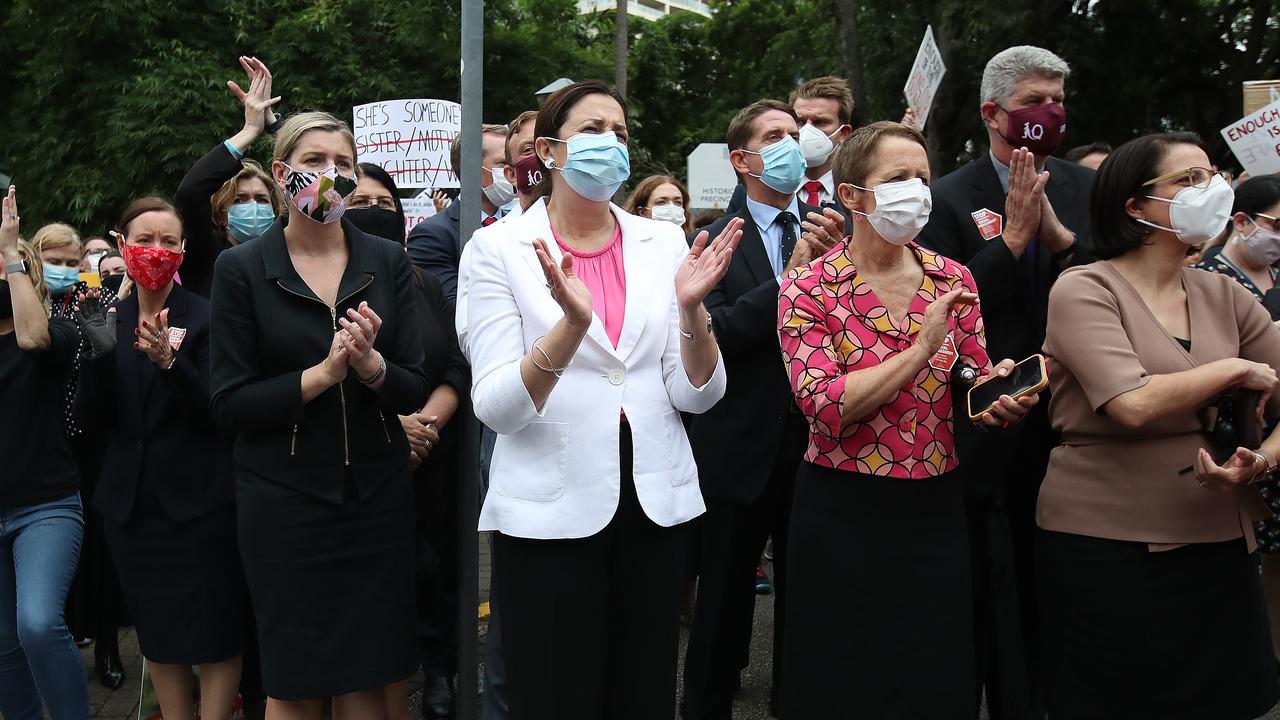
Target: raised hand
[
  {"x": 90, "y": 313},
  {"x": 257, "y": 99},
  {"x": 1022, "y": 206},
  {"x": 823, "y": 230},
  {"x": 937, "y": 319},
  {"x": 566, "y": 288},
  {"x": 9, "y": 225},
  {"x": 909, "y": 118},
  {"x": 153, "y": 339},
  {"x": 705, "y": 264},
  {"x": 440, "y": 200}
]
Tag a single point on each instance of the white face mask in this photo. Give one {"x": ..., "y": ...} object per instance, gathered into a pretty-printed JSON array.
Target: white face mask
[
  {"x": 816, "y": 145},
  {"x": 1198, "y": 214},
  {"x": 500, "y": 192},
  {"x": 670, "y": 212},
  {"x": 902, "y": 209}
]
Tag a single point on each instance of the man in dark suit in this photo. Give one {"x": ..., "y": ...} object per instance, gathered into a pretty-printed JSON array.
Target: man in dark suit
[
  {"x": 435, "y": 244},
  {"x": 749, "y": 445},
  {"x": 1016, "y": 234}
]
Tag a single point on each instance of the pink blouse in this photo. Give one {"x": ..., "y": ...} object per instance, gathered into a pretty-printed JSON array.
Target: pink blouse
[
  {"x": 831, "y": 324},
  {"x": 605, "y": 276}
]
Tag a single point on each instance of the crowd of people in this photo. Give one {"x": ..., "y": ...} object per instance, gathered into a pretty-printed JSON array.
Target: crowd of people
[{"x": 230, "y": 424}]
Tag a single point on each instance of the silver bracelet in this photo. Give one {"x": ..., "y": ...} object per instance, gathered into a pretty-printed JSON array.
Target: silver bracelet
[
  {"x": 550, "y": 366},
  {"x": 382, "y": 370}
]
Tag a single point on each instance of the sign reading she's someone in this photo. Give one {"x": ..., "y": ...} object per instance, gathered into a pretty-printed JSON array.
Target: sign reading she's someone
[
  {"x": 1255, "y": 140},
  {"x": 409, "y": 139}
]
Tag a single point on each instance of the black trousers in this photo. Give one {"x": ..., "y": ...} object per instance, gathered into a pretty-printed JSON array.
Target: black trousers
[
  {"x": 1004, "y": 471},
  {"x": 731, "y": 537},
  {"x": 591, "y": 626}
]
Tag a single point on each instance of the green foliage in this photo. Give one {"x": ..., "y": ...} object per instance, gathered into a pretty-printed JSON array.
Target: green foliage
[{"x": 102, "y": 100}]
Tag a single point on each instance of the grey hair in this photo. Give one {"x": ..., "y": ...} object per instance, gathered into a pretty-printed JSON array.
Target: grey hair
[{"x": 1009, "y": 67}]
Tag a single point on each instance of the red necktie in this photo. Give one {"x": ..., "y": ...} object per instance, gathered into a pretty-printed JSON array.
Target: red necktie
[
  {"x": 488, "y": 221},
  {"x": 812, "y": 187}
]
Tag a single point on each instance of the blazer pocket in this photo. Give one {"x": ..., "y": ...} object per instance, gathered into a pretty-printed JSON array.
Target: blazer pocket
[
  {"x": 679, "y": 455},
  {"x": 531, "y": 464}
]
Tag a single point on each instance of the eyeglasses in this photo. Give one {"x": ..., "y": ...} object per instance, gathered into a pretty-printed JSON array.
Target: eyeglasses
[
  {"x": 1196, "y": 177},
  {"x": 1272, "y": 223},
  {"x": 362, "y": 201}
]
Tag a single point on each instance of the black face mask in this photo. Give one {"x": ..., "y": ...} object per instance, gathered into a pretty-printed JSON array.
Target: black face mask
[
  {"x": 6, "y": 301},
  {"x": 378, "y": 221},
  {"x": 112, "y": 282}
]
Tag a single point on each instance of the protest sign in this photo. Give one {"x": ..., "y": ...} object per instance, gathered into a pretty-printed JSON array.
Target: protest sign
[
  {"x": 1255, "y": 140},
  {"x": 711, "y": 177},
  {"x": 409, "y": 139},
  {"x": 417, "y": 209},
  {"x": 925, "y": 77}
]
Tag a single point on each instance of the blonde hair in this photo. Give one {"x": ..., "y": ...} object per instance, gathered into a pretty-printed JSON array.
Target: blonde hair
[
  {"x": 35, "y": 271},
  {"x": 222, "y": 200},
  {"x": 296, "y": 126},
  {"x": 53, "y": 236}
]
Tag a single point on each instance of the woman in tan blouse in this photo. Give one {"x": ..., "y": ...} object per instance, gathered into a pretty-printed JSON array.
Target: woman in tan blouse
[{"x": 1150, "y": 604}]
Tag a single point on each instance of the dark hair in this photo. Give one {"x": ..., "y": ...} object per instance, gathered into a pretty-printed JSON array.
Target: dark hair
[
  {"x": 1079, "y": 152},
  {"x": 555, "y": 111},
  {"x": 1257, "y": 195},
  {"x": 377, "y": 173},
  {"x": 743, "y": 124},
  {"x": 145, "y": 205},
  {"x": 1112, "y": 231}
]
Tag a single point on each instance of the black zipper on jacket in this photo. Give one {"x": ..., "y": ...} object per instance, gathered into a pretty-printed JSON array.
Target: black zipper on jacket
[{"x": 342, "y": 395}]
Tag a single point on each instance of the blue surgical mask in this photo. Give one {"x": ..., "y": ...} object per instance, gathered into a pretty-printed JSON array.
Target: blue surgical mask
[
  {"x": 783, "y": 165},
  {"x": 247, "y": 221},
  {"x": 60, "y": 278},
  {"x": 596, "y": 165}
]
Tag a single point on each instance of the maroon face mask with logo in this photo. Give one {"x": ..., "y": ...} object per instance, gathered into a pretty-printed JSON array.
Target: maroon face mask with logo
[
  {"x": 1039, "y": 129},
  {"x": 528, "y": 175}
]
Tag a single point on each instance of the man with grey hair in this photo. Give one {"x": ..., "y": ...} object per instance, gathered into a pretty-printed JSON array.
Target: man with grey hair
[{"x": 1016, "y": 217}]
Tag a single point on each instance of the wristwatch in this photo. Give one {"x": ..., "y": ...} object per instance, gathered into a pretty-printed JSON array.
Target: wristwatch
[{"x": 16, "y": 267}]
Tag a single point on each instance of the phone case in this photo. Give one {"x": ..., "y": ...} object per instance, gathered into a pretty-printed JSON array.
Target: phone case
[{"x": 1044, "y": 382}]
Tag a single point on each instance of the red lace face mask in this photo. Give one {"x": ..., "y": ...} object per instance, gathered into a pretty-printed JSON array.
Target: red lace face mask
[{"x": 151, "y": 266}]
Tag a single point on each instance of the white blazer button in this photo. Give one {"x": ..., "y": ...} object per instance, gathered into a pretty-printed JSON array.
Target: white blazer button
[{"x": 617, "y": 377}]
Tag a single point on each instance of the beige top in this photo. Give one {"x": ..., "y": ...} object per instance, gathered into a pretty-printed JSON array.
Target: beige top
[{"x": 1111, "y": 482}]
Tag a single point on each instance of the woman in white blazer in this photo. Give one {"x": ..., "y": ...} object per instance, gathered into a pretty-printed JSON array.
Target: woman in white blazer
[{"x": 587, "y": 337}]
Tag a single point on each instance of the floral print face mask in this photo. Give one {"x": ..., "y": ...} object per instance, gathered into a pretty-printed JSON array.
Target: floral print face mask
[{"x": 321, "y": 196}]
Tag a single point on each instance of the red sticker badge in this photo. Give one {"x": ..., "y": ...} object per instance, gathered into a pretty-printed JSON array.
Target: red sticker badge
[
  {"x": 946, "y": 357},
  {"x": 990, "y": 224},
  {"x": 176, "y": 334}
]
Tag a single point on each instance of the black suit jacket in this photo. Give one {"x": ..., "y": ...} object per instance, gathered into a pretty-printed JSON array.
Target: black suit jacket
[
  {"x": 735, "y": 442},
  {"x": 268, "y": 327},
  {"x": 739, "y": 200},
  {"x": 1015, "y": 296},
  {"x": 162, "y": 439},
  {"x": 205, "y": 241},
  {"x": 435, "y": 245}
]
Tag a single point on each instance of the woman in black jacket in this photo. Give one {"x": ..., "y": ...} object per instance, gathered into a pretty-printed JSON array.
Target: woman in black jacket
[
  {"x": 315, "y": 351},
  {"x": 225, "y": 199},
  {"x": 166, "y": 493},
  {"x": 376, "y": 209}
]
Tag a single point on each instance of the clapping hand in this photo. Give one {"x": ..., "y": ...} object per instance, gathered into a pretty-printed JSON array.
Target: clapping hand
[
  {"x": 358, "y": 334},
  {"x": 822, "y": 230},
  {"x": 937, "y": 319},
  {"x": 1023, "y": 204},
  {"x": 153, "y": 339},
  {"x": 95, "y": 322},
  {"x": 705, "y": 264},
  {"x": 257, "y": 99},
  {"x": 566, "y": 288}
]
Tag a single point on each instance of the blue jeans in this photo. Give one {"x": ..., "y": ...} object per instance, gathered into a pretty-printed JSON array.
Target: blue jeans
[{"x": 39, "y": 547}]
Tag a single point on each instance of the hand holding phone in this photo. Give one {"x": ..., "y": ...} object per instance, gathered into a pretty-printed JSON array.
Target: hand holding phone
[{"x": 1021, "y": 386}]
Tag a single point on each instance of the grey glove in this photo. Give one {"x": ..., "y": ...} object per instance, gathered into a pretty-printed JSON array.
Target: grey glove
[{"x": 96, "y": 323}]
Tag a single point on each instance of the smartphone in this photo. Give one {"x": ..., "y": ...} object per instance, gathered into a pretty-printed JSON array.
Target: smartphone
[{"x": 1027, "y": 378}]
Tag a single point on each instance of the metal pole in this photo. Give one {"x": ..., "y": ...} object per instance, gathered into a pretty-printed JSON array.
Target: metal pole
[
  {"x": 468, "y": 686},
  {"x": 620, "y": 49}
]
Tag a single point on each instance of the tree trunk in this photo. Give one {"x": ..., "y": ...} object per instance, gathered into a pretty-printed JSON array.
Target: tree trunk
[
  {"x": 620, "y": 50},
  {"x": 851, "y": 55}
]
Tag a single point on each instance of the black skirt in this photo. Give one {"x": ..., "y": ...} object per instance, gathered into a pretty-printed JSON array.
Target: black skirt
[
  {"x": 1130, "y": 633},
  {"x": 879, "y": 611},
  {"x": 182, "y": 582},
  {"x": 332, "y": 586}
]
